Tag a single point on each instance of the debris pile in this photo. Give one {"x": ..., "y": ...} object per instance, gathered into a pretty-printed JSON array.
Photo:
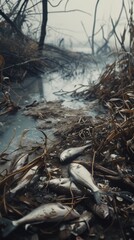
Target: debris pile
[
  {"x": 116, "y": 82},
  {"x": 88, "y": 171}
]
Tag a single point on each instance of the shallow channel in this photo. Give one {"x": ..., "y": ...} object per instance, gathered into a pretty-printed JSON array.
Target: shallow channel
[{"x": 50, "y": 87}]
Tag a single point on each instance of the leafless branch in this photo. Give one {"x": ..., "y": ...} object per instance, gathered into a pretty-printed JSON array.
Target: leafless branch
[
  {"x": 56, "y": 4},
  {"x": 66, "y": 4},
  {"x": 112, "y": 31},
  {"x": 86, "y": 33},
  {"x": 121, "y": 44},
  {"x": 8, "y": 20},
  {"x": 94, "y": 23},
  {"x": 74, "y": 10}
]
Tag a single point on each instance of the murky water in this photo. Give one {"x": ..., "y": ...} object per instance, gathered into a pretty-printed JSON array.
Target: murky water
[{"x": 52, "y": 87}]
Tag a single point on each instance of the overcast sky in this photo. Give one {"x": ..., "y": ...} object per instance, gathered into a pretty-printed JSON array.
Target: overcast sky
[{"x": 73, "y": 25}]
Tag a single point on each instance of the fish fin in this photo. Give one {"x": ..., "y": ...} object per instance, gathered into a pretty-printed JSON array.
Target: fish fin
[
  {"x": 7, "y": 227},
  {"x": 97, "y": 196},
  {"x": 88, "y": 145}
]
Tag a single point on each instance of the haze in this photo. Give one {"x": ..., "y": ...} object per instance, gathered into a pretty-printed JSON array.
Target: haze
[{"x": 73, "y": 26}]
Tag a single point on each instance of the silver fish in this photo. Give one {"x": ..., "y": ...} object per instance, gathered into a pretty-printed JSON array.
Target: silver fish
[
  {"x": 24, "y": 180},
  {"x": 18, "y": 163},
  {"x": 80, "y": 175},
  {"x": 79, "y": 226},
  {"x": 64, "y": 185},
  {"x": 50, "y": 212},
  {"x": 101, "y": 210},
  {"x": 82, "y": 224},
  {"x": 72, "y": 153}
]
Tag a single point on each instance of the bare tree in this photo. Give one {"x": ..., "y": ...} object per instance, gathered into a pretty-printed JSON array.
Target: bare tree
[{"x": 44, "y": 24}]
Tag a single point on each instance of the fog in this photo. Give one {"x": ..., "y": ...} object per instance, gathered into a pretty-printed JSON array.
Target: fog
[
  {"x": 75, "y": 25},
  {"x": 72, "y": 21}
]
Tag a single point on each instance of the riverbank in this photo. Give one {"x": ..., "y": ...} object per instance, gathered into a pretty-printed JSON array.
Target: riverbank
[{"x": 109, "y": 159}]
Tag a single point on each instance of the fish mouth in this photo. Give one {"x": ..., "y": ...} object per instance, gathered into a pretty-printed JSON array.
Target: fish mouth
[{"x": 102, "y": 210}]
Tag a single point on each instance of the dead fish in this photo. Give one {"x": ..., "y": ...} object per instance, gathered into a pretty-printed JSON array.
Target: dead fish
[
  {"x": 82, "y": 224},
  {"x": 78, "y": 227},
  {"x": 101, "y": 210},
  {"x": 80, "y": 175},
  {"x": 50, "y": 212},
  {"x": 24, "y": 180},
  {"x": 18, "y": 163},
  {"x": 71, "y": 153},
  {"x": 64, "y": 185}
]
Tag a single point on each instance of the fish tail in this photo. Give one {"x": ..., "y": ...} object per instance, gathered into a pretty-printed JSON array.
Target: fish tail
[
  {"x": 7, "y": 227},
  {"x": 97, "y": 196}
]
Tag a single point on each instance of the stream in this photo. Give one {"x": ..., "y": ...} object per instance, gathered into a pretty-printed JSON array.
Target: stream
[
  {"x": 48, "y": 87},
  {"x": 51, "y": 87}
]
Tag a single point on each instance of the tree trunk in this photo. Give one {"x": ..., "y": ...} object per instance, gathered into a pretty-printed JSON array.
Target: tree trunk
[{"x": 44, "y": 24}]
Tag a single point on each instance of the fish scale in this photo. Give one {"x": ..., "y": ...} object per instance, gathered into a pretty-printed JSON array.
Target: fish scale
[
  {"x": 72, "y": 153},
  {"x": 64, "y": 185},
  {"x": 80, "y": 175},
  {"x": 50, "y": 212}
]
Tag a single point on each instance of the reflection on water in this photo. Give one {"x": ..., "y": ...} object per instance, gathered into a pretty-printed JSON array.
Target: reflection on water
[
  {"x": 57, "y": 88},
  {"x": 14, "y": 127},
  {"x": 47, "y": 88}
]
